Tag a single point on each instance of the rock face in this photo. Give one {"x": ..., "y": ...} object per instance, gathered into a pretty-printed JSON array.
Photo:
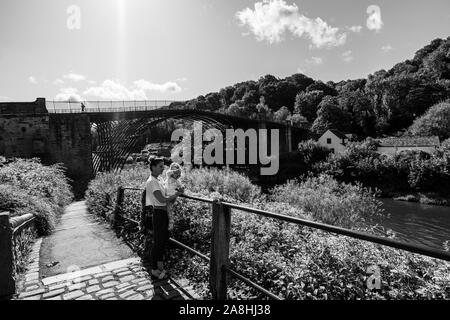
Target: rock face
[{"x": 27, "y": 130}]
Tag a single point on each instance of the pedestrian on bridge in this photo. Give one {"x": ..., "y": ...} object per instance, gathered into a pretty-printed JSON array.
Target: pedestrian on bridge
[{"x": 156, "y": 205}]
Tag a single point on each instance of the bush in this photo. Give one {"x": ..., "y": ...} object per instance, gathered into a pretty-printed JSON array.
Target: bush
[
  {"x": 405, "y": 171},
  {"x": 329, "y": 201},
  {"x": 29, "y": 187},
  {"x": 225, "y": 182}
]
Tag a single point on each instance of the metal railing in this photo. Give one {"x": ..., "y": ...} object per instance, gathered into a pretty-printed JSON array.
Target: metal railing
[
  {"x": 106, "y": 106},
  {"x": 220, "y": 239},
  {"x": 58, "y": 107},
  {"x": 10, "y": 229}
]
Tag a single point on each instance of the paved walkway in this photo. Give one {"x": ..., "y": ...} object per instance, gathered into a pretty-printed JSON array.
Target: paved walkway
[{"x": 83, "y": 259}]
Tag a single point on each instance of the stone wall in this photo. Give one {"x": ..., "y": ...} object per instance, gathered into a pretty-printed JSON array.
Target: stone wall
[
  {"x": 27, "y": 130},
  {"x": 70, "y": 143}
]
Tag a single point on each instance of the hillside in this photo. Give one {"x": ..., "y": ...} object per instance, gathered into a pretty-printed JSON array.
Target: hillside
[{"x": 387, "y": 102}]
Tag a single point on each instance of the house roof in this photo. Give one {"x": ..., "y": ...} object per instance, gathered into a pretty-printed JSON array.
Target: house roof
[
  {"x": 338, "y": 133},
  {"x": 409, "y": 141}
]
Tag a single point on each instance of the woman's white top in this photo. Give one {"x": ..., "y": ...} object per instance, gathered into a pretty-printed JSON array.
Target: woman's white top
[
  {"x": 171, "y": 186},
  {"x": 151, "y": 186}
]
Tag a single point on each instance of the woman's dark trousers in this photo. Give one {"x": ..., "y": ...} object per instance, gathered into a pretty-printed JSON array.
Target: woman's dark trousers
[{"x": 160, "y": 236}]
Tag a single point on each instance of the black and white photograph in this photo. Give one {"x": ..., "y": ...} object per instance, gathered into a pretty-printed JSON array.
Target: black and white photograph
[{"x": 225, "y": 154}]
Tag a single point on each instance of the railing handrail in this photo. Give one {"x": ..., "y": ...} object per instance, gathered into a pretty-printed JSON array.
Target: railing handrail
[
  {"x": 415, "y": 248},
  {"x": 19, "y": 222},
  {"x": 439, "y": 254}
]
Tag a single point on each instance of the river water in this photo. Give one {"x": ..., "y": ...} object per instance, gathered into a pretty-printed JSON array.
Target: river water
[{"x": 418, "y": 223}]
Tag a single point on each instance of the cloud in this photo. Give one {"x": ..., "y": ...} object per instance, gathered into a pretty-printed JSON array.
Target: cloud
[
  {"x": 355, "y": 28},
  {"x": 74, "y": 77},
  {"x": 374, "y": 21},
  {"x": 315, "y": 60},
  {"x": 32, "y": 79},
  {"x": 68, "y": 94},
  {"x": 271, "y": 19},
  {"x": 165, "y": 87},
  {"x": 386, "y": 48},
  {"x": 347, "y": 56},
  {"x": 114, "y": 90},
  {"x": 58, "y": 82}
]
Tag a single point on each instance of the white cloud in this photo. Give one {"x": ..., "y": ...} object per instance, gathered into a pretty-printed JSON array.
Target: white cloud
[
  {"x": 114, "y": 90},
  {"x": 32, "y": 79},
  {"x": 181, "y": 79},
  {"x": 68, "y": 94},
  {"x": 355, "y": 28},
  {"x": 386, "y": 48},
  {"x": 74, "y": 77},
  {"x": 374, "y": 21},
  {"x": 271, "y": 19},
  {"x": 58, "y": 82},
  {"x": 347, "y": 56},
  {"x": 165, "y": 87},
  {"x": 315, "y": 60}
]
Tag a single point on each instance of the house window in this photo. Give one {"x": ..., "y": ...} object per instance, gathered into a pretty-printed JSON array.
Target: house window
[
  {"x": 332, "y": 150},
  {"x": 328, "y": 140}
]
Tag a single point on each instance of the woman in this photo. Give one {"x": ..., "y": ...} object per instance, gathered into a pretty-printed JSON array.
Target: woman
[{"x": 157, "y": 200}]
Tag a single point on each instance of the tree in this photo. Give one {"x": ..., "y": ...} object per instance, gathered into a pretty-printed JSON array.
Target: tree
[
  {"x": 282, "y": 114},
  {"x": 263, "y": 110},
  {"x": 435, "y": 122},
  {"x": 306, "y": 103},
  {"x": 330, "y": 116}
]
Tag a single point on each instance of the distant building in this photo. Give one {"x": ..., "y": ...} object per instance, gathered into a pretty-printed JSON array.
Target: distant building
[
  {"x": 335, "y": 140},
  {"x": 392, "y": 145}
]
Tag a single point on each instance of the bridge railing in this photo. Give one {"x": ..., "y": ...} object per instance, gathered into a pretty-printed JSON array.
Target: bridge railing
[
  {"x": 105, "y": 106},
  {"x": 220, "y": 241},
  {"x": 120, "y": 106}
]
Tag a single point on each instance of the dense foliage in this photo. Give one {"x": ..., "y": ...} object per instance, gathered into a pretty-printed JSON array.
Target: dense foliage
[
  {"x": 405, "y": 171},
  {"x": 384, "y": 103},
  {"x": 27, "y": 186},
  {"x": 291, "y": 261},
  {"x": 435, "y": 122}
]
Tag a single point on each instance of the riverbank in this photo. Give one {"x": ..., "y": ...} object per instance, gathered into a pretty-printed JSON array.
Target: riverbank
[{"x": 423, "y": 198}]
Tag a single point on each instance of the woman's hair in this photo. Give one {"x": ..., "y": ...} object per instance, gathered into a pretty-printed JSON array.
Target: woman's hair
[
  {"x": 174, "y": 167},
  {"x": 154, "y": 160}
]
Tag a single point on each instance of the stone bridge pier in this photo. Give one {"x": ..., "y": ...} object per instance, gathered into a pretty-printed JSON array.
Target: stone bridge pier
[{"x": 27, "y": 130}]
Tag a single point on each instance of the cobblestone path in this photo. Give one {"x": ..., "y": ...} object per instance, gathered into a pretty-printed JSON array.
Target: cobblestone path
[{"x": 95, "y": 264}]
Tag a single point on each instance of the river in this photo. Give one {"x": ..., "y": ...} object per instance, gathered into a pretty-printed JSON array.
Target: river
[{"x": 418, "y": 223}]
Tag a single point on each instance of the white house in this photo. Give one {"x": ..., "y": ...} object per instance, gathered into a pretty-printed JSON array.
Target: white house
[
  {"x": 392, "y": 145},
  {"x": 334, "y": 140}
]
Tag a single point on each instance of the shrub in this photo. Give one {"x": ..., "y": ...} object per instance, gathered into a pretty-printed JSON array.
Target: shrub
[
  {"x": 329, "y": 201},
  {"x": 225, "y": 182},
  {"x": 29, "y": 187}
]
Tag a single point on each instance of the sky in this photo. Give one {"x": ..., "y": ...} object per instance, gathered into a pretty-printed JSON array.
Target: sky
[{"x": 180, "y": 49}]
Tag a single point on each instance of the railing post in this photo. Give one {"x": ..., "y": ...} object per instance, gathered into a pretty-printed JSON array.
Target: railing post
[
  {"x": 7, "y": 282},
  {"x": 118, "y": 208},
  {"x": 220, "y": 245}
]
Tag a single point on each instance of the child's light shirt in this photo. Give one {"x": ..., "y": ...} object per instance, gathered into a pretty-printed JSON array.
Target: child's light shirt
[{"x": 172, "y": 185}]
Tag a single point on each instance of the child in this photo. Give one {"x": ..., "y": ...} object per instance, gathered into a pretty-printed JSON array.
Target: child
[{"x": 172, "y": 185}]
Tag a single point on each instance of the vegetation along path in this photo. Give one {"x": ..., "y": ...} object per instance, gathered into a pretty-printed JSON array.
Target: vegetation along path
[{"x": 84, "y": 259}]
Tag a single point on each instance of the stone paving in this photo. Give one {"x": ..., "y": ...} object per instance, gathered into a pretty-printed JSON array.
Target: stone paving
[
  {"x": 119, "y": 280},
  {"x": 122, "y": 279}
]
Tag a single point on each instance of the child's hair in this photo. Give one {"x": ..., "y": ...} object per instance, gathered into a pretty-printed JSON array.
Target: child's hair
[{"x": 174, "y": 167}]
